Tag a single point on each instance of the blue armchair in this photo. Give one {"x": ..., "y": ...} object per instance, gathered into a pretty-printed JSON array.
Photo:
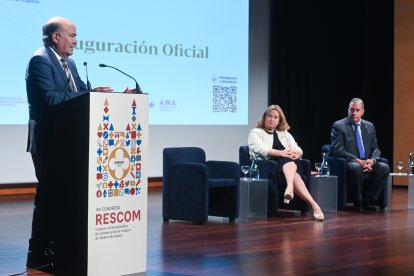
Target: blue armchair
[
  {"x": 338, "y": 167},
  {"x": 194, "y": 188},
  {"x": 275, "y": 194}
]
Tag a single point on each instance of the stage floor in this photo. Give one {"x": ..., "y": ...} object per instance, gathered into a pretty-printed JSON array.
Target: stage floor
[{"x": 345, "y": 243}]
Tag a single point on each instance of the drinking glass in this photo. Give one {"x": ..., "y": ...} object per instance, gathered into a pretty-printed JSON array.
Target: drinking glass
[
  {"x": 245, "y": 169},
  {"x": 318, "y": 168},
  {"x": 399, "y": 166}
]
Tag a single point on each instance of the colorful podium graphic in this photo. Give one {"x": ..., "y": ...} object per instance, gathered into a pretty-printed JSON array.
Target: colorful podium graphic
[{"x": 101, "y": 148}]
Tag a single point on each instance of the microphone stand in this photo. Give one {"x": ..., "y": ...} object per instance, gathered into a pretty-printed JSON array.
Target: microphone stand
[
  {"x": 136, "y": 83},
  {"x": 88, "y": 84}
]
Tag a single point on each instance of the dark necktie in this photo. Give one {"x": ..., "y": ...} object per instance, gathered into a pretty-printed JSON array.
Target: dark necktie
[
  {"x": 359, "y": 142},
  {"x": 68, "y": 75}
]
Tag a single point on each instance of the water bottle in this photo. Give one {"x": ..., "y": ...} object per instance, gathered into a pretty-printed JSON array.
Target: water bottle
[
  {"x": 325, "y": 166},
  {"x": 254, "y": 171},
  {"x": 410, "y": 164}
]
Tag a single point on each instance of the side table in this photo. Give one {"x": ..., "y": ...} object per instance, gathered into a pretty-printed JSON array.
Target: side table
[
  {"x": 324, "y": 190},
  {"x": 410, "y": 189},
  {"x": 253, "y": 198}
]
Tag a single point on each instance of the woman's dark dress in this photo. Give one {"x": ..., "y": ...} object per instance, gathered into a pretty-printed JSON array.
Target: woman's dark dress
[{"x": 277, "y": 145}]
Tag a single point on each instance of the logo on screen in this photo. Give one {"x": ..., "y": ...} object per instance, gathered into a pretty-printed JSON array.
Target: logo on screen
[{"x": 167, "y": 105}]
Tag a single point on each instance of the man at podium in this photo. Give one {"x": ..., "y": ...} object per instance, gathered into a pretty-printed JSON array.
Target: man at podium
[{"x": 51, "y": 78}]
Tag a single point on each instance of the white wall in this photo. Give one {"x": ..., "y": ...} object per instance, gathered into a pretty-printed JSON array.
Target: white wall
[
  {"x": 219, "y": 142},
  {"x": 15, "y": 164}
]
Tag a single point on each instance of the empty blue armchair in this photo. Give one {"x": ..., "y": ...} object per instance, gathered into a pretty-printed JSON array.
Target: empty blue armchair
[
  {"x": 194, "y": 188},
  {"x": 338, "y": 167},
  {"x": 275, "y": 194}
]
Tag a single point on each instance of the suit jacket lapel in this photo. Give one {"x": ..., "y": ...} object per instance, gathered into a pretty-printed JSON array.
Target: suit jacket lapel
[
  {"x": 351, "y": 133},
  {"x": 56, "y": 62},
  {"x": 365, "y": 138}
]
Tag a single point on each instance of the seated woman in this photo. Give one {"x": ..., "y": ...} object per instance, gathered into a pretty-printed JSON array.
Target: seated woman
[{"x": 271, "y": 140}]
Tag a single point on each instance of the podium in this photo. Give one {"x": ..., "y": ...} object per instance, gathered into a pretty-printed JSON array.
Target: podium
[{"x": 100, "y": 151}]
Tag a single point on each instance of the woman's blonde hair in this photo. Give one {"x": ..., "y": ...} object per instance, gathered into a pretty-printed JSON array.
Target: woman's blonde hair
[{"x": 283, "y": 124}]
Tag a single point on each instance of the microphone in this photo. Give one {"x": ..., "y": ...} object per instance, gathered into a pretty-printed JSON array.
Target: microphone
[
  {"x": 136, "y": 83},
  {"x": 88, "y": 84}
]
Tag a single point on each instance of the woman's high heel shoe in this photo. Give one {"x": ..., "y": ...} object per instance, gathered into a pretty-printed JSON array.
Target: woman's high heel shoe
[
  {"x": 318, "y": 216},
  {"x": 287, "y": 197}
]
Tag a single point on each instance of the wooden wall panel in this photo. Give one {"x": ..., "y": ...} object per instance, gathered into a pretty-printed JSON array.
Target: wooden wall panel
[{"x": 403, "y": 83}]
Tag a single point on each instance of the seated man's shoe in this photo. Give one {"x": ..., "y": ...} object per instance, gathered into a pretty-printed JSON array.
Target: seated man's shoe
[
  {"x": 40, "y": 260},
  {"x": 358, "y": 207},
  {"x": 370, "y": 208},
  {"x": 364, "y": 207}
]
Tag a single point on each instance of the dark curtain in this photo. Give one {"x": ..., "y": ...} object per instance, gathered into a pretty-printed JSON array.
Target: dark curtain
[{"x": 323, "y": 54}]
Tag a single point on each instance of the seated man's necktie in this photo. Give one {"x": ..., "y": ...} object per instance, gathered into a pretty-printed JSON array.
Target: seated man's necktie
[{"x": 359, "y": 142}]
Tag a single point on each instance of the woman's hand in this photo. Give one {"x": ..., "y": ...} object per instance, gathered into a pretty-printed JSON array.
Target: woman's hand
[
  {"x": 295, "y": 154},
  {"x": 286, "y": 153},
  {"x": 292, "y": 154}
]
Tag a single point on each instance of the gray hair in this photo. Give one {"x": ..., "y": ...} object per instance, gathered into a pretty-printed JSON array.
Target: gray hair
[
  {"x": 357, "y": 101},
  {"x": 53, "y": 25}
]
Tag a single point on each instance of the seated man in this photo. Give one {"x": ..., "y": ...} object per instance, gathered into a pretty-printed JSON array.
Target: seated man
[{"x": 355, "y": 140}]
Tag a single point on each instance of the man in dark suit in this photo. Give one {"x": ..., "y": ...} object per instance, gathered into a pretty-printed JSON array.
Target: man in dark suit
[
  {"x": 355, "y": 140},
  {"x": 51, "y": 78}
]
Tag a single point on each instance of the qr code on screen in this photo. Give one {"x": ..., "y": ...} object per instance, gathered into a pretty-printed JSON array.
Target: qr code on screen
[{"x": 224, "y": 98}]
